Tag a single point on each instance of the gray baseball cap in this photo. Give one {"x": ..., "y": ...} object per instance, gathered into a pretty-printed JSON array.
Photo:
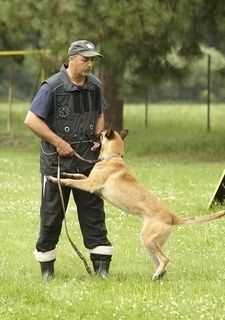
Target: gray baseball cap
[{"x": 83, "y": 47}]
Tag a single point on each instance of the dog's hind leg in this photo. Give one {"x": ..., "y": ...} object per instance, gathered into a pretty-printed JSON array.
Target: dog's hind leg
[
  {"x": 154, "y": 259},
  {"x": 159, "y": 259},
  {"x": 153, "y": 241}
]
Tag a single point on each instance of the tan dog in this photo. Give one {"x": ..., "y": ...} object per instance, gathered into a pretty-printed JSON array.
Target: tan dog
[{"x": 112, "y": 180}]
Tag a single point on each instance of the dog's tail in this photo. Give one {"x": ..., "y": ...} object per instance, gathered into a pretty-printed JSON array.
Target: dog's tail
[{"x": 196, "y": 220}]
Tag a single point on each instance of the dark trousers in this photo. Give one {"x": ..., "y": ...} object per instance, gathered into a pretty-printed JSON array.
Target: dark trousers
[{"x": 91, "y": 215}]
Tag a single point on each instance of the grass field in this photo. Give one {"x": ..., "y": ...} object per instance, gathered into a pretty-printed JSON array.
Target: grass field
[{"x": 180, "y": 162}]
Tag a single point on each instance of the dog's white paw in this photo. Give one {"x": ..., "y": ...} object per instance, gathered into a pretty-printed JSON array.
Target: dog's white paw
[{"x": 158, "y": 276}]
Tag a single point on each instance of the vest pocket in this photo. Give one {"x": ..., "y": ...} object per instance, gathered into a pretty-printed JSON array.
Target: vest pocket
[{"x": 48, "y": 159}]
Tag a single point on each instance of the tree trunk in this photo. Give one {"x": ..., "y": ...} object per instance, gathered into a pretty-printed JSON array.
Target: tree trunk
[{"x": 114, "y": 110}]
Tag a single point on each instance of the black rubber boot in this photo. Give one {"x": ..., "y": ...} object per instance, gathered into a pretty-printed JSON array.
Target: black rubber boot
[
  {"x": 47, "y": 270},
  {"x": 101, "y": 268}
]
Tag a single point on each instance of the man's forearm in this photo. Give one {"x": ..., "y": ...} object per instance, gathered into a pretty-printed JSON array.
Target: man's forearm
[
  {"x": 100, "y": 123},
  {"x": 41, "y": 130}
]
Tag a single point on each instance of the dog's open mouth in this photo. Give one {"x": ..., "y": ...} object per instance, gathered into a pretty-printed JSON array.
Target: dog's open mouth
[
  {"x": 96, "y": 146},
  {"x": 96, "y": 142}
]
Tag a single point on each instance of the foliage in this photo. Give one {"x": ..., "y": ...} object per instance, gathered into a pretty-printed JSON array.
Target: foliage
[
  {"x": 136, "y": 38},
  {"x": 182, "y": 176}
]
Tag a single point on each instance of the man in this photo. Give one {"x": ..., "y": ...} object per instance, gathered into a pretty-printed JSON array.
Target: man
[{"x": 66, "y": 112}]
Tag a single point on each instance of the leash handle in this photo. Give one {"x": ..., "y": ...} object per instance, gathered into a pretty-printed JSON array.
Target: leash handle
[{"x": 88, "y": 269}]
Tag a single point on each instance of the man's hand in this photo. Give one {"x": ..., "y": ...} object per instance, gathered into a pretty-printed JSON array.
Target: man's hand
[{"x": 64, "y": 149}]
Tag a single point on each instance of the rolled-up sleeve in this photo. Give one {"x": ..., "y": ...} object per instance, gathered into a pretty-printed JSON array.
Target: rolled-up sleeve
[{"x": 42, "y": 103}]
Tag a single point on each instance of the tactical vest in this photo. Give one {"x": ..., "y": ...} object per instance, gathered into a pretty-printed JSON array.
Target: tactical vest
[{"x": 73, "y": 118}]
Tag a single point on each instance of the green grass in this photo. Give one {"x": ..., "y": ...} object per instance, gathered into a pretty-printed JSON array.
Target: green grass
[
  {"x": 183, "y": 175},
  {"x": 177, "y": 130}
]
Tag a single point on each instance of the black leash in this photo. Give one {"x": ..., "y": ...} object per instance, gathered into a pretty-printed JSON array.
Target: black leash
[{"x": 64, "y": 211}]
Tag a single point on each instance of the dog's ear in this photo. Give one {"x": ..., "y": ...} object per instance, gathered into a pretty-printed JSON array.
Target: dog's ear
[
  {"x": 110, "y": 133},
  {"x": 123, "y": 134}
]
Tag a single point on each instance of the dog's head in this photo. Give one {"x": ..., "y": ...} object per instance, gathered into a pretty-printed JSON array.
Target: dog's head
[{"x": 111, "y": 141}]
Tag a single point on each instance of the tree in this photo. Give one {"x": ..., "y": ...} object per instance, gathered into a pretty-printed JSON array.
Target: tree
[{"x": 137, "y": 38}]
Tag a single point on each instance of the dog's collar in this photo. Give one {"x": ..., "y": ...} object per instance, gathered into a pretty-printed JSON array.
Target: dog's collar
[{"x": 116, "y": 155}]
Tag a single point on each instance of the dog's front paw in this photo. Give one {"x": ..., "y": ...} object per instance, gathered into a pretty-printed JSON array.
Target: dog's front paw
[
  {"x": 74, "y": 176},
  {"x": 67, "y": 175},
  {"x": 52, "y": 179}
]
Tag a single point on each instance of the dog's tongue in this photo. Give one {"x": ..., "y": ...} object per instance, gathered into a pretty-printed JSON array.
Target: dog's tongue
[{"x": 95, "y": 146}]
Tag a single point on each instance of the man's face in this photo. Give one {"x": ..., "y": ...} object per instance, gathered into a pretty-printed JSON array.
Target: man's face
[{"x": 81, "y": 66}]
